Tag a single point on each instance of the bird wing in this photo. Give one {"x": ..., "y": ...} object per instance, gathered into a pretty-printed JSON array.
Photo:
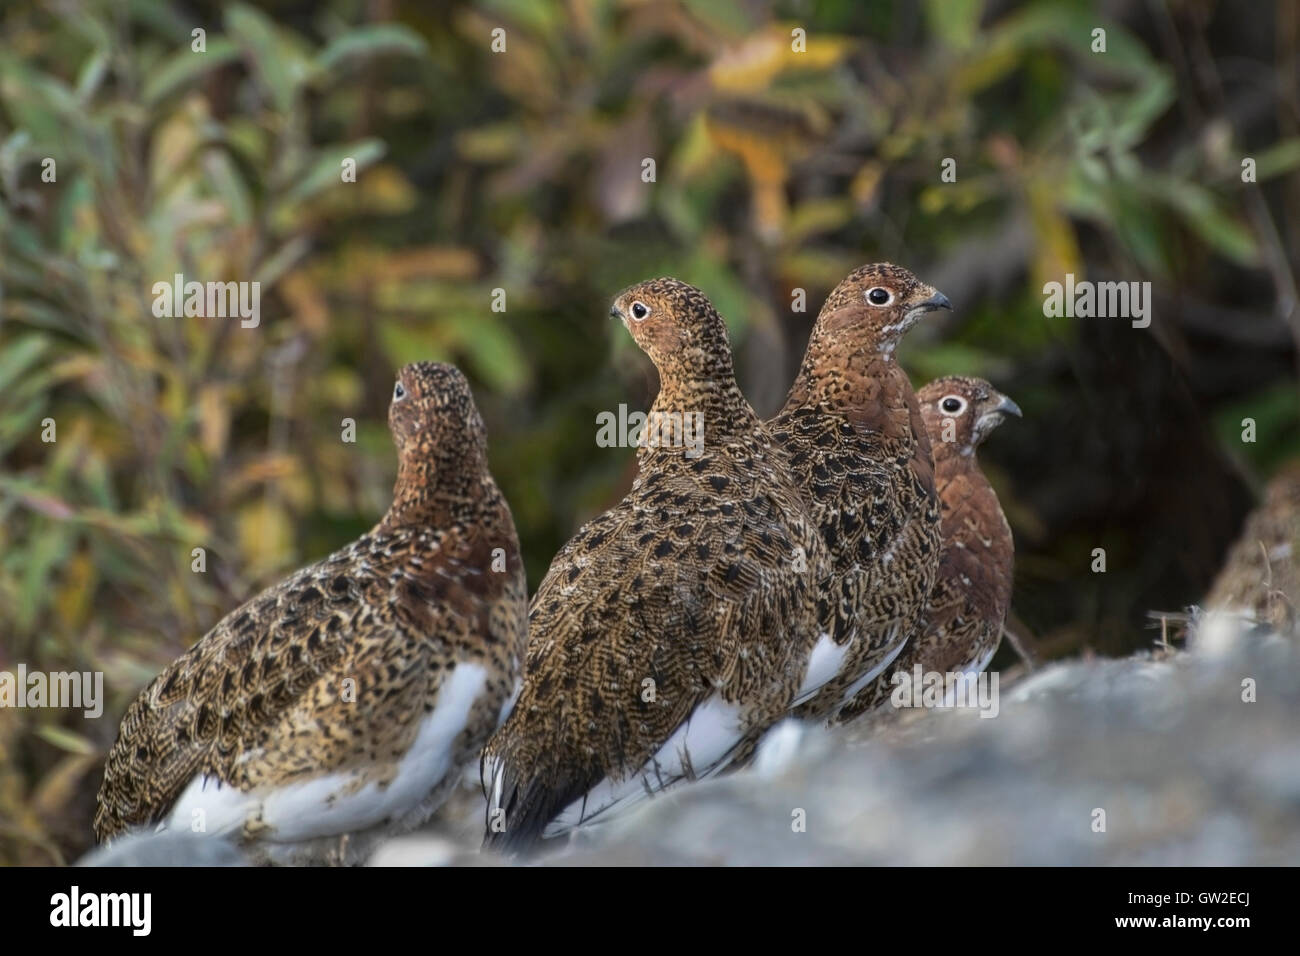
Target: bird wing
[
  {"x": 207, "y": 711},
  {"x": 649, "y": 629}
]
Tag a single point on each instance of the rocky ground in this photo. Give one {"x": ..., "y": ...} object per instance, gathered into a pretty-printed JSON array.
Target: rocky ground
[{"x": 1186, "y": 772}]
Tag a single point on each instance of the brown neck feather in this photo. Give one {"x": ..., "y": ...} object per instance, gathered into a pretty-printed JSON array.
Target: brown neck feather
[
  {"x": 437, "y": 493},
  {"x": 863, "y": 384},
  {"x": 710, "y": 390}
]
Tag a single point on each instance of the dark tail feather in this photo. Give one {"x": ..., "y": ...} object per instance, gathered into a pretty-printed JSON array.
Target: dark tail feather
[{"x": 518, "y": 810}]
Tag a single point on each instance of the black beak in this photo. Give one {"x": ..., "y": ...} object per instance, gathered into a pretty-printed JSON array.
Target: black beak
[
  {"x": 614, "y": 313},
  {"x": 934, "y": 303},
  {"x": 1007, "y": 407},
  {"x": 995, "y": 415}
]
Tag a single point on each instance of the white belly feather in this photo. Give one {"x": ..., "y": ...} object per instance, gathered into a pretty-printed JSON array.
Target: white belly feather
[{"x": 332, "y": 804}]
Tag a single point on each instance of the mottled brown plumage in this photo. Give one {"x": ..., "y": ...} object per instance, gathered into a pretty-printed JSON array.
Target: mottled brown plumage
[
  {"x": 859, "y": 453},
  {"x": 1260, "y": 579},
  {"x": 344, "y": 701},
  {"x": 673, "y": 629},
  {"x": 963, "y": 619}
]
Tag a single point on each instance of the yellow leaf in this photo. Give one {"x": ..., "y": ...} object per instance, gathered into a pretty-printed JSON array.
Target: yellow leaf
[
  {"x": 269, "y": 468},
  {"x": 385, "y": 189},
  {"x": 1056, "y": 251},
  {"x": 78, "y": 585},
  {"x": 65, "y": 739},
  {"x": 752, "y": 64},
  {"x": 767, "y": 170},
  {"x": 214, "y": 420},
  {"x": 762, "y": 157},
  {"x": 174, "y": 142},
  {"x": 695, "y": 151},
  {"x": 265, "y": 538},
  {"x": 866, "y": 181}
]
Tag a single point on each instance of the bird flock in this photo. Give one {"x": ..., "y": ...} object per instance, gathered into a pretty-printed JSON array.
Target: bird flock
[{"x": 779, "y": 569}]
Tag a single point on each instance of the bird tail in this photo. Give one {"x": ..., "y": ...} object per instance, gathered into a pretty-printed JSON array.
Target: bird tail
[{"x": 518, "y": 806}]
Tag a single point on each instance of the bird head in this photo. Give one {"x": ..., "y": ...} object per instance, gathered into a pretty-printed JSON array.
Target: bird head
[
  {"x": 973, "y": 407},
  {"x": 880, "y": 302},
  {"x": 676, "y": 325},
  {"x": 432, "y": 414}
]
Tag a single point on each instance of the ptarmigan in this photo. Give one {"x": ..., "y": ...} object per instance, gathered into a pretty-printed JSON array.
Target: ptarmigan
[
  {"x": 860, "y": 456},
  {"x": 964, "y": 615},
  {"x": 1260, "y": 578},
  {"x": 674, "y": 628},
  {"x": 343, "y": 703}
]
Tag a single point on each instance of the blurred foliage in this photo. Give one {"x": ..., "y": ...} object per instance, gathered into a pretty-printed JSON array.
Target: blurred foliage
[{"x": 521, "y": 170}]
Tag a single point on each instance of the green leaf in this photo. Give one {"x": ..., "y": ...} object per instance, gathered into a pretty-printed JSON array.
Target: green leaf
[
  {"x": 1136, "y": 113},
  {"x": 185, "y": 66},
  {"x": 230, "y": 186},
  {"x": 379, "y": 39},
  {"x": 1141, "y": 232},
  {"x": 65, "y": 739},
  {"x": 1279, "y": 158},
  {"x": 91, "y": 75},
  {"x": 13, "y": 152},
  {"x": 276, "y": 68},
  {"x": 816, "y": 216},
  {"x": 546, "y": 19},
  {"x": 49, "y": 549},
  {"x": 495, "y": 354},
  {"x": 1199, "y": 209},
  {"x": 39, "y": 314},
  {"x": 326, "y": 169},
  {"x": 403, "y": 344},
  {"x": 950, "y": 358},
  {"x": 42, "y": 104},
  {"x": 20, "y": 425},
  {"x": 17, "y": 358},
  {"x": 1276, "y": 412},
  {"x": 282, "y": 260},
  {"x": 954, "y": 21}
]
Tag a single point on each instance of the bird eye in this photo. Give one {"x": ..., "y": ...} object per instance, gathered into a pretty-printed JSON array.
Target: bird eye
[
  {"x": 399, "y": 392},
  {"x": 640, "y": 310},
  {"x": 880, "y": 296},
  {"x": 952, "y": 404}
]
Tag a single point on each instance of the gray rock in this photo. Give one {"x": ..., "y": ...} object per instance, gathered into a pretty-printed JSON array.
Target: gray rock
[{"x": 1186, "y": 772}]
